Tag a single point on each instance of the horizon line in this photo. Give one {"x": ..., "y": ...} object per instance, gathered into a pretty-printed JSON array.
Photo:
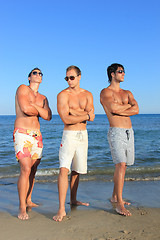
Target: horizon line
[{"x": 95, "y": 114}]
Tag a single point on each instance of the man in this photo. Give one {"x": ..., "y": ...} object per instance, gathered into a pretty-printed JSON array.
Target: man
[
  {"x": 119, "y": 105},
  {"x": 75, "y": 107},
  {"x": 30, "y": 105}
]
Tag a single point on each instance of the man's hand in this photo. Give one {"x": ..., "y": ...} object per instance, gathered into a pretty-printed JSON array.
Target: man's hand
[
  {"x": 81, "y": 112},
  {"x": 45, "y": 112},
  {"x": 91, "y": 115}
]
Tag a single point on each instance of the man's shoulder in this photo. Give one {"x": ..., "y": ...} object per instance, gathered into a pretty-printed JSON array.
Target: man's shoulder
[
  {"x": 126, "y": 91},
  {"x": 42, "y": 96},
  {"x": 22, "y": 87},
  {"x": 106, "y": 91},
  {"x": 86, "y": 92},
  {"x": 63, "y": 94}
]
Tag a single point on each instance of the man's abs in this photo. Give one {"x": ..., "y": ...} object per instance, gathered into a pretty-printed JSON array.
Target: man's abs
[
  {"x": 119, "y": 121},
  {"x": 31, "y": 123}
]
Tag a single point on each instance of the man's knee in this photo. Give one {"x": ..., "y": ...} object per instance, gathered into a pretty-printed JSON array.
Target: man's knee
[
  {"x": 121, "y": 166},
  {"x": 63, "y": 171},
  {"x": 25, "y": 165},
  {"x": 26, "y": 170}
]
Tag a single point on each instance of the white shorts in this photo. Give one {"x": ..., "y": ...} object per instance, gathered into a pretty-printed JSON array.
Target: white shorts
[{"x": 74, "y": 150}]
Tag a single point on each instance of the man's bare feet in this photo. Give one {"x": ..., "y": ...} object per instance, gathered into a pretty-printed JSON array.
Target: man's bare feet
[
  {"x": 114, "y": 200},
  {"x": 77, "y": 203},
  {"x": 31, "y": 204},
  {"x": 59, "y": 217},
  {"x": 23, "y": 215},
  {"x": 120, "y": 209}
]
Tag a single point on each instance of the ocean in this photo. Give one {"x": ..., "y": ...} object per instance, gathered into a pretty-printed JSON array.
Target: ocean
[
  {"x": 100, "y": 166},
  {"x": 141, "y": 181}
]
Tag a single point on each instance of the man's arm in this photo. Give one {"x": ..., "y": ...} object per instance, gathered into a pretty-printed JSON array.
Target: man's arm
[
  {"x": 63, "y": 110},
  {"x": 45, "y": 111},
  {"x": 90, "y": 107},
  {"x": 134, "y": 109},
  {"x": 109, "y": 104},
  {"x": 76, "y": 112},
  {"x": 24, "y": 102}
]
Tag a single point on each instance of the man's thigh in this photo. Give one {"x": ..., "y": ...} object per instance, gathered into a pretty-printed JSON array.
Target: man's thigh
[
  {"x": 66, "y": 152},
  {"x": 130, "y": 149},
  {"x": 80, "y": 158}
]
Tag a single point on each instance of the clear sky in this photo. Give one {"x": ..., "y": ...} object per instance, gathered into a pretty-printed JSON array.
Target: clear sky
[{"x": 91, "y": 34}]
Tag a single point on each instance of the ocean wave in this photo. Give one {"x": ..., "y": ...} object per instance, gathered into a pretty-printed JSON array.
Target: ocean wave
[
  {"x": 39, "y": 173},
  {"x": 146, "y": 169},
  {"x": 104, "y": 174},
  {"x": 14, "y": 175},
  {"x": 47, "y": 172},
  {"x": 143, "y": 179},
  {"x": 45, "y": 180}
]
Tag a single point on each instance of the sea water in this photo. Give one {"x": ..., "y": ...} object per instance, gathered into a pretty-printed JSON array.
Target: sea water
[{"x": 100, "y": 166}]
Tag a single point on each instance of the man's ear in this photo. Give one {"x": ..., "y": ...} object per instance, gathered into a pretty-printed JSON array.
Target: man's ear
[
  {"x": 112, "y": 74},
  {"x": 79, "y": 77}
]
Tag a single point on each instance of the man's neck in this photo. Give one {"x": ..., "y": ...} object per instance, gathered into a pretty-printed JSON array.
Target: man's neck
[
  {"x": 34, "y": 87},
  {"x": 75, "y": 90},
  {"x": 115, "y": 86}
]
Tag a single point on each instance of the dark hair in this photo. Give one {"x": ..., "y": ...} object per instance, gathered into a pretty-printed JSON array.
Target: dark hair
[
  {"x": 78, "y": 71},
  {"x": 113, "y": 68},
  {"x": 32, "y": 71}
]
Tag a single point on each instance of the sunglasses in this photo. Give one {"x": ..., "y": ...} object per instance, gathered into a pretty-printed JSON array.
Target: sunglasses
[
  {"x": 35, "y": 73},
  {"x": 121, "y": 71},
  {"x": 70, "y": 77}
]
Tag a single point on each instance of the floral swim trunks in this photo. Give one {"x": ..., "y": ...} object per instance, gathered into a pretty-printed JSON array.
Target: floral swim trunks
[{"x": 27, "y": 143}]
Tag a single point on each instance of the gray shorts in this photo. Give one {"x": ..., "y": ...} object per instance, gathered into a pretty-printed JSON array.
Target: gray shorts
[{"x": 121, "y": 143}]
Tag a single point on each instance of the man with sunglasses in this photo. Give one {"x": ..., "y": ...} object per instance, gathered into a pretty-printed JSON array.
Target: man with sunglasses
[
  {"x": 30, "y": 105},
  {"x": 75, "y": 107},
  {"x": 119, "y": 105}
]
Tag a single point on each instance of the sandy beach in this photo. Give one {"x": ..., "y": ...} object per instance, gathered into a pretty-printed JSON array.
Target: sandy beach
[
  {"x": 84, "y": 225},
  {"x": 99, "y": 221}
]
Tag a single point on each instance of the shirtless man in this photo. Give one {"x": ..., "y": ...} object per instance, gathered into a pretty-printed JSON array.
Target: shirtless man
[
  {"x": 119, "y": 105},
  {"x": 75, "y": 107},
  {"x": 30, "y": 105}
]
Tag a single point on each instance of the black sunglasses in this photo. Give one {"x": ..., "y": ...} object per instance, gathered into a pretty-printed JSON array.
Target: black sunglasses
[
  {"x": 35, "y": 73},
  {"x": 70, "y": 77},
  {"x": 121, "y": 71}
]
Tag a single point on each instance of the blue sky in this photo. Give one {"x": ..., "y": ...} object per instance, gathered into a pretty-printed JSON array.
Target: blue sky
[{"x": 91, "y": 34}]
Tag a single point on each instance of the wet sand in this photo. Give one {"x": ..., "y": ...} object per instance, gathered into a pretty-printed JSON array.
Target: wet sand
[
  {"x": 84, "y": 225},
  {"x": 98, "y": 221}
]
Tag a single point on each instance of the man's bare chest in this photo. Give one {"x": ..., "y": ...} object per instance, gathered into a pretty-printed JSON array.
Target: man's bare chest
[
  {"x": 77, "y": 102},
  {"x": 37, "y": 99},
  {"x": 121, "y": 97}
]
